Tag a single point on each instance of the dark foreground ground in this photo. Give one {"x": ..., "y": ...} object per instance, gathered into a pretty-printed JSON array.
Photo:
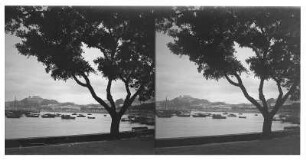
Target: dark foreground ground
[
  {"x": 135, "y": 146},
  {"x": 289, "y": 145}
]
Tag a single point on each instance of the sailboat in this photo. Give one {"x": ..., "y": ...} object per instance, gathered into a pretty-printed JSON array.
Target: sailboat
[
  {"x": 164, "y": 113},
  {"x": 14, "y": 113}
]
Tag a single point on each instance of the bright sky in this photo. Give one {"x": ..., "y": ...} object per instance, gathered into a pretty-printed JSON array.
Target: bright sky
[
  {"x": 178, "y": 76},
  {"x": 25, "y": 76}
]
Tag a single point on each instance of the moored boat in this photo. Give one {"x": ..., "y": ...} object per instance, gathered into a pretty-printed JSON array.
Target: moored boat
[
  {"x": 243, "y": 117},
  {"x": 81, "y": 115},
  {"x": 48, "y": 115},
  {"x": 125, "y": 119},
  {"x": 58, "y": 115},
  {"x": 163, "y": 114},
  {"x": 183, "y": 114},
  {"x": 34, "y": 115},
  {"x": 13, "y": 115},
  {"x": 231, "y": 115},
  {"x": 67, "y": 117},
  {"x": 218, "y": 116},
  {"x": 199, "y": 115}
]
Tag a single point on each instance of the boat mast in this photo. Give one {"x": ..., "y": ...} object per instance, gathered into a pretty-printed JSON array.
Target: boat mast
[
  {"x": 166, "y": 104},
  {"x": 15, "y": 107}
]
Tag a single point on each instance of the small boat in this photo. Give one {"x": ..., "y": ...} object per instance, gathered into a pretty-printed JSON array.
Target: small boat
[
  {"x": 34, "y": 115},
  {"x": 183, "y": 114},
  {"x": 218, "y": 116},
  {"x": 139, "y": 129},
  {"x": 58, "y": 115},
  {"x": 74, "y": 114},
  {"x": 131, "y": 118},
  {"x": 277, "y": 119},
  {"x": 48, "y": 115},
  {"x": 67, "y": 117},
  {"x": 12, "y": 115},
  {"x": 199, "y": 115},
  {"x": 163, "y": 115},
  {"x": 242, "y": 117},
  {"x": 89, "y": 114},
  {"x": 125, "y": 119},
  {"x": 81, "y": 115},
  {"x": 91, "y": 117},
  {"x": 232, "y": 115}
]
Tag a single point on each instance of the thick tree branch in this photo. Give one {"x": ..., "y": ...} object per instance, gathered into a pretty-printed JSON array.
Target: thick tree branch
[
  {"x": 128, "y": 95},
  {"x": 128, "y": 102},
  {"x": 261, "y": 95},
  {"x": 109, "y": 95},
  {"x": 246, "y": 94},
  {"x": 92, "y": 92},
  {"x": 282, "y": 100},
  {"x": 280, "y": 95},
  {"x": 231, "y": 81},
  {"x": 127, "y": 88},
  {"x": 78, "y": 81}
]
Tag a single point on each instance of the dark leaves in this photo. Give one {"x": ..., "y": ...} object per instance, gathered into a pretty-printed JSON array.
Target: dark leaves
[
  {"x": 125, "y": 37},
  {"x": 207, "y": 35}
]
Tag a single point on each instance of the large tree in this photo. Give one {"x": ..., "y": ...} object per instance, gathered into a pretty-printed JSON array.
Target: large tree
[
  {"x": 125, "y": 37},
  {"x": 208, "y": 35}
]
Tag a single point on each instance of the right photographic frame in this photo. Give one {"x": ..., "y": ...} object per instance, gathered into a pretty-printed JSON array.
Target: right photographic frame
[{"x": 228, "y": 80}]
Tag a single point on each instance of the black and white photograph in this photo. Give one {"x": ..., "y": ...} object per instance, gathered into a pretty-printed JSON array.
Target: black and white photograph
[
  {"x": 79, "y": 74},
  {"x": 161, "y": 80},
  {"x": 228, "y": 81}
]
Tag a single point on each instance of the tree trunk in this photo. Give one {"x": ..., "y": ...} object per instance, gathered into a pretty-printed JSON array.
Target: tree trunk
[
  {"x": 114, "y": 130},
  {"x": 267, "y": 126}
]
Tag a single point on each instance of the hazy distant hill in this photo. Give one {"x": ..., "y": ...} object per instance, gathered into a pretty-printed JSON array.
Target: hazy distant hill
[
  {"x": 187, "y": 102},
  {"x": 38, "y": 103}
]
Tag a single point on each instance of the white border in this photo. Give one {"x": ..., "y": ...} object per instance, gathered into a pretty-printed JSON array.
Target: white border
[{"x": 155, "y": 3}]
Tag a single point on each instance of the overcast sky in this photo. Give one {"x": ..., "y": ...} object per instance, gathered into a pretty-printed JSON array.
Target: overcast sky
[
  {"x": 178, "y": 76},
  {"x": 25, "y": 76}
]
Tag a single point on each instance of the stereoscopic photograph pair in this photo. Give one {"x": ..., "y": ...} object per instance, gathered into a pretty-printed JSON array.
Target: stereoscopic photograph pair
[{"x": 123, "y": 80}]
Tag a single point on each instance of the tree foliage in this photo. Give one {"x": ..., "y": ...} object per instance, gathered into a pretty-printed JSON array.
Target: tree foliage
[
  {"x": 124, "y": 35},
  {"x": 208, "y": 36},
  {"x": 56, "y": 36}
]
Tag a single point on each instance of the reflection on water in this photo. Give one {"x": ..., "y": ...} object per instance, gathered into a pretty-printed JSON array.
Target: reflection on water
[
  {"x": 42, "y": 127},
  {"x": 190, "y": 126}
]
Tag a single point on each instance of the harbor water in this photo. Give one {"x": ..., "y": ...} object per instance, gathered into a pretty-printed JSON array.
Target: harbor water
[
  {"x": 206, "y": 126},
  {"x": 25, "y": 127}
]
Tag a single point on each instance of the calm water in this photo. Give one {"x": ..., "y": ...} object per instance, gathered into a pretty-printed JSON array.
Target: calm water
[
  {"x": 190, "y": 126},
  {"x": 41, "y": 127}
]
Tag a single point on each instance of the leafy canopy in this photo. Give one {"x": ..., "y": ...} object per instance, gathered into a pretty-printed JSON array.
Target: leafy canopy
[
  {"x": 208, "y": 36},
  {"x": 56, "y": 35}
]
